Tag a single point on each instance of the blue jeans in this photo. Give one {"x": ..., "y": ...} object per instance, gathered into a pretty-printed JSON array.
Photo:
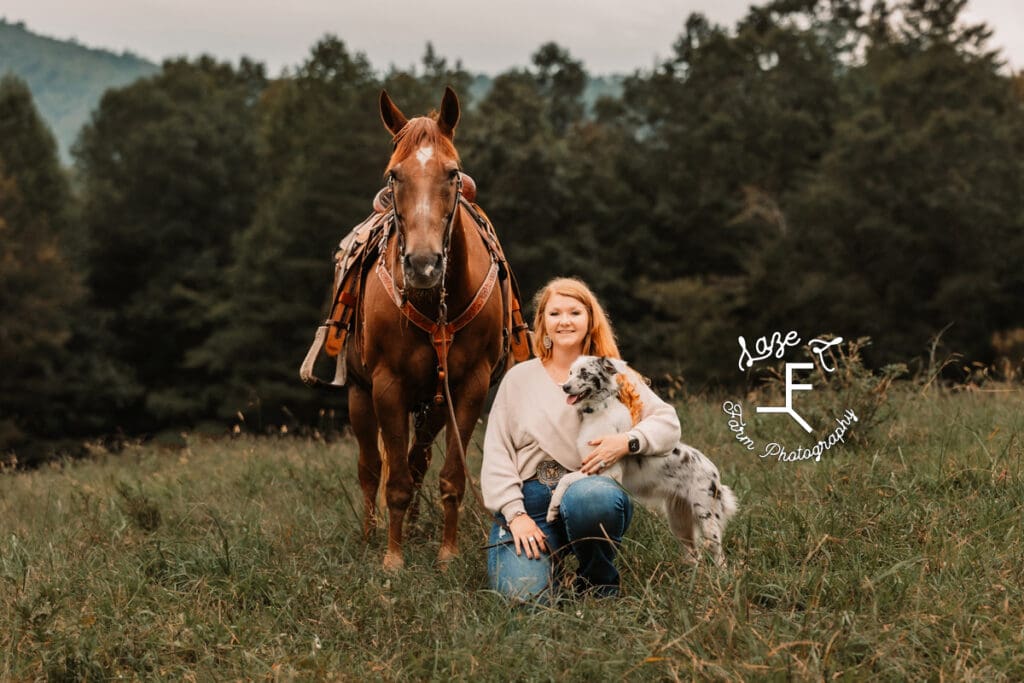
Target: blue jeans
[{"x": 593, "y": 511}]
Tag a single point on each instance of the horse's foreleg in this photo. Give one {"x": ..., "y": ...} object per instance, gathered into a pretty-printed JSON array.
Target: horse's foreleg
[
  {"x": 468, "y": 405},
  {"x": 364, "y": 425},
  {"x": 426, "y": 428},
  {"x": 394, "y": 424}
]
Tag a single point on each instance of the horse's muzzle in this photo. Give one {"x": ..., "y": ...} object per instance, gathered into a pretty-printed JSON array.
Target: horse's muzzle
[{"x": 422, "y": 270}]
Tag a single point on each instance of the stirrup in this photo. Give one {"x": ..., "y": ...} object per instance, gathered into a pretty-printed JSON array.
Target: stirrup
[{"x": 340, "y": 371}]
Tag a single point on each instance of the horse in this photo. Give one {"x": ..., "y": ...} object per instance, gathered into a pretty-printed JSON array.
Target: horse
[{"x": 434, "y": 267}]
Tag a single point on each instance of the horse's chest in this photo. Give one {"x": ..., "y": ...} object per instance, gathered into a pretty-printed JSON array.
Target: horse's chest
[{"x": 393, "y": 344}]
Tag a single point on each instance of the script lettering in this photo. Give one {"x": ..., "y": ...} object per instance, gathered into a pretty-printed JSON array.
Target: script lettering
[
  {"x": 815, "y": 452},
  {"x": 736, "y": 424},
  {"x": 766, "y": 347},
  {"x": 820, "y": 346}
]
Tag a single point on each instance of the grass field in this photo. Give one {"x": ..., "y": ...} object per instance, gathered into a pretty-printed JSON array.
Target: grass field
[{"x": 896, "y": 557}]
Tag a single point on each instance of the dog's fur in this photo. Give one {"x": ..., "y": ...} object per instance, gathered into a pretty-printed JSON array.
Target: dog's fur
[{"x": 683, "y": 484}]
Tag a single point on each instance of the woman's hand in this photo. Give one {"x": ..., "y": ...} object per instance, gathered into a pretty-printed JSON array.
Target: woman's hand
[
  {"x": 527, "y": 536},
  {"x": 609, "y": 450}
]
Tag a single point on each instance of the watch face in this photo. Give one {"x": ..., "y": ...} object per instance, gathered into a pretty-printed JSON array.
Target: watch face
[{"x": 634, "y": 445}]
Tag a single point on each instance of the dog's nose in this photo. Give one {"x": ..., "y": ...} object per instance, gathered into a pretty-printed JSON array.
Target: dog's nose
[{"x": 565, "y": 387}]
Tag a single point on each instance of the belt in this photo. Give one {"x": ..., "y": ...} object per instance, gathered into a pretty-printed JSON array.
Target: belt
[{"x": 549, "y": 472}]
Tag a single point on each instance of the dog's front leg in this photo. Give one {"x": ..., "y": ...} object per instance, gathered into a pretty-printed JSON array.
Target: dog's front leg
[{"x": 556, "y": 495}]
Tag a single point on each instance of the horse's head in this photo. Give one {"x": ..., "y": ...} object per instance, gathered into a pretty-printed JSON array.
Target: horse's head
[{"x": 424, "y": 178}]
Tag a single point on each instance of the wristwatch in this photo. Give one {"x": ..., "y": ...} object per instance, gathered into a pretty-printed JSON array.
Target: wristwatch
[{"x": 634, "y": 445}]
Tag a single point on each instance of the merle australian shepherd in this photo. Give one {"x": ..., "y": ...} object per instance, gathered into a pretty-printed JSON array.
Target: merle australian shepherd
[{"x": 683, "y": 483}]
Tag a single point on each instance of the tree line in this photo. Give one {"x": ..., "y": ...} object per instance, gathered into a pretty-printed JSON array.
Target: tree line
[{"x": 823, "y": 166}]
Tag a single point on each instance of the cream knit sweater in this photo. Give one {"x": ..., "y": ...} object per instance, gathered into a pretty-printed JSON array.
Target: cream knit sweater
[{"x": 530, "y": 421}]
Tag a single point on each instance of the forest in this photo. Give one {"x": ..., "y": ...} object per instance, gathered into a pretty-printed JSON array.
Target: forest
[{"x": 826, "y": 166}]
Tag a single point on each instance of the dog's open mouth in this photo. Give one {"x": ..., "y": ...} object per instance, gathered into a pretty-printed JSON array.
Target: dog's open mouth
[{"x": 572, "y": 399}]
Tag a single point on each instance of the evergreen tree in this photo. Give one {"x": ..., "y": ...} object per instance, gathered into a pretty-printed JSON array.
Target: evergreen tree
[
  {"x": 518, "y": 151},
  {"x": 726, "y": 129},
  {"x": 324, "y": 153},
  {"x": 170, "y": 175},
  {"x": 707, "y": 149},
  {"x": 419, "y": 90},
  {"x": 39, "y": 288},
  {"x": 913, "y": 222}
]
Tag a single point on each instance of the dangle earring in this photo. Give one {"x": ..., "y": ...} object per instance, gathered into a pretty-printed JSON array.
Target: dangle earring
[{"x": 547, "y": 342}]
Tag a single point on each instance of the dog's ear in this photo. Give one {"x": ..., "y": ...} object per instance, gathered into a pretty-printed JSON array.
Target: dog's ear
[{"x": 608, "y": 366}]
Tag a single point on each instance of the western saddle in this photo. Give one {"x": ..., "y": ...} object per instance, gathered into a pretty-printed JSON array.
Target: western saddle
[{"x": 355, "y": 258}]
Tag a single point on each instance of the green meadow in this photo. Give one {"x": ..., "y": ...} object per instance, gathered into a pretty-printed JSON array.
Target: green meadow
[{"x": 898, "y": 556}]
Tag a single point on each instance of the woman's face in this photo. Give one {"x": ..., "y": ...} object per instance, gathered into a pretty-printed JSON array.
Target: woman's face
[{"x": 566, "y": 322}]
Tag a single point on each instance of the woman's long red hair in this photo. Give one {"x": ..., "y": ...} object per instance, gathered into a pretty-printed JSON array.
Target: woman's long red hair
[{"x": 600, "y": 339}]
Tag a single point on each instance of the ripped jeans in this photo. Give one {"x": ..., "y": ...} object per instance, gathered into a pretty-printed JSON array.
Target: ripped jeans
[{"x": 594, "y": 510}]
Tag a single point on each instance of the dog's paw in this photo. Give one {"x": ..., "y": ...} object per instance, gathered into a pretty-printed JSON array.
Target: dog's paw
[{"x": 552, "y": 513}]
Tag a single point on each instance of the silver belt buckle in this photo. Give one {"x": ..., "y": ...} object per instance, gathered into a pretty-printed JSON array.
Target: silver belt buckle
[{"x": 549, "y": 472}]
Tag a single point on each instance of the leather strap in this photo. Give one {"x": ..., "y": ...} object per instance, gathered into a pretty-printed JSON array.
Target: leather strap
[
  {"x": 441, "y": 336},
  {"x": 428, "y": 324}
]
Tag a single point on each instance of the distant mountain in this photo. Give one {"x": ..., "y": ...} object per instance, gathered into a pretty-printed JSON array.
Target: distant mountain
[
  {"x": 67, "y": 79},
  {"x": 596, "y": 88}
]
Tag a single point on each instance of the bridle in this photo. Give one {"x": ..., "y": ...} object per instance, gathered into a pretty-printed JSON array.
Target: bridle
[
  {"x": 440, "y": 330},
  {"x": 446, "y": 239}
]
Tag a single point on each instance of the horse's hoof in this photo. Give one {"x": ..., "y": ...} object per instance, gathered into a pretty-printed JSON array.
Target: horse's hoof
[
  {"x": 393, "y": 562},
  {"x": 445, "y": 555}
]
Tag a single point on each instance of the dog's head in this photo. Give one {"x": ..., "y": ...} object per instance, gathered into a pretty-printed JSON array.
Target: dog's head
[{"x": 591, "y": 381}]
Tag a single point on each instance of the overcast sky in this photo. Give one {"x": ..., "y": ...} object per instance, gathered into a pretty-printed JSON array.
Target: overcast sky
[{"x": 610, "y": 36}]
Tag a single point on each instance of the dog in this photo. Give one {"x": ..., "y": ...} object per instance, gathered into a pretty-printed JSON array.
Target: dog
[{"x": 683, "y": 484}]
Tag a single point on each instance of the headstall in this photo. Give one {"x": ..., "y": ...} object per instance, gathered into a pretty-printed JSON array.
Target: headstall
[{"x": 441, "y": 331}]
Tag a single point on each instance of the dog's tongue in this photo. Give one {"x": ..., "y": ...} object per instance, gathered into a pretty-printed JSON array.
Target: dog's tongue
[{"x": 571, "y": 399}]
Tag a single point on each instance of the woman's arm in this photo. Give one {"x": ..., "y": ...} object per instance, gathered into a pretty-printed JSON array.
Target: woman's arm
[
  {"x": 500, "y": 483},
  {"x": 658, "y": 429}
]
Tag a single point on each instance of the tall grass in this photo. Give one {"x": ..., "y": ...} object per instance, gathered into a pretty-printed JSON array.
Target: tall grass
[{"x": 896, "y": 557}]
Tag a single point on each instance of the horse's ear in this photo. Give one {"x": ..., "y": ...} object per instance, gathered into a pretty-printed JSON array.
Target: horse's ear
[
  {"x": 393, "y": 118},
  {"x": 449, "y": 117}
]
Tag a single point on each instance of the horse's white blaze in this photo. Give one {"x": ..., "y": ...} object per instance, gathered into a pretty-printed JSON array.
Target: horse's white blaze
[
  {"x": 423, "y": 208},
  {"x": 424, "y": 154}
]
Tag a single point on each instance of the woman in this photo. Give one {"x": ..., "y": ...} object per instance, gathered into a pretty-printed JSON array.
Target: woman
[{"x": 531, "y": 441}]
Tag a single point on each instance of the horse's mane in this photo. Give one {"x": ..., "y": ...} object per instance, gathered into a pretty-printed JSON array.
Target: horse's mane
[{"x": 420, "y": 131}]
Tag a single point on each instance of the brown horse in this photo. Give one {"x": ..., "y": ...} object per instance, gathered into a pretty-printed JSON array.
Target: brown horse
[{"x": 436, "y": 260}]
